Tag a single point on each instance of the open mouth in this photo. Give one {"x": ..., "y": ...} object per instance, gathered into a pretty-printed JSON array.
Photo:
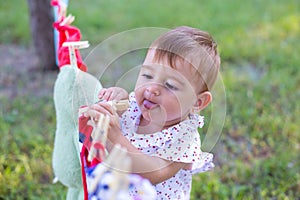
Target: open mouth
[{"x": 149, "y": 104}]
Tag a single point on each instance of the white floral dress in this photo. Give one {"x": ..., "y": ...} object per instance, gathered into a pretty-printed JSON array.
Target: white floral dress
[{"x": 180, "y": 143}]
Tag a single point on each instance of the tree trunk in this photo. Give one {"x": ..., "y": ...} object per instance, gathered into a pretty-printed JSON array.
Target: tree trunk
[{"x": 41, "y": 20}]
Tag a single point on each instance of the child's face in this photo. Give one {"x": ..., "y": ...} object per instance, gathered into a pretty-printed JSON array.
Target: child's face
[{"x": 165, "y": 95}]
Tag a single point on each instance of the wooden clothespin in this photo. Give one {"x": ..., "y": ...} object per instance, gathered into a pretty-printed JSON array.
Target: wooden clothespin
[
  {"x": 120, "y": 105},
  {"x": 100, "y": 128},
  {"x": 99, "y": 136},
  {"x": 67, "y": 20},
  {"x": 72, "y": 46}
]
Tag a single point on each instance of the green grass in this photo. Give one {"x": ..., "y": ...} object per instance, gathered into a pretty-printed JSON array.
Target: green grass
[
  {"x": 257, "y": 156},
  {"x": 14, "y": 23},
  {"x": 27, "y": 129}
]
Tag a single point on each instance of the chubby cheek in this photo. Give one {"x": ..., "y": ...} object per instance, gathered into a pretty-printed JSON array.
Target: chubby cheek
[
  {"x": 178, "y": 106},
  {"x": 172, "y": 106}
]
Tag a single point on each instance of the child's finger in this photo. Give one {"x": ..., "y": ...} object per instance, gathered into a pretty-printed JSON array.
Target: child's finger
[
  {"x": 118, "y": 96},
  {"x": 95, "y": 111},
  {"x": 93, "y": 114},
  {"x": 101, "y": 93},
  {"x": 115, "y": 95},
  {"x": 112, "y": 96},
  {"x": 107, "y": 95},
  {"x": 103, "y": 107}
]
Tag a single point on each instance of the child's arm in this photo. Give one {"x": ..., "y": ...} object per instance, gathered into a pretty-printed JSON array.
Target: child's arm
[{"x": 153, "y": 168}]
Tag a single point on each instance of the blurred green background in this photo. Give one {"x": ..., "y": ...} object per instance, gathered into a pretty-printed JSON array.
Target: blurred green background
[{"x": 257, "y": 155}]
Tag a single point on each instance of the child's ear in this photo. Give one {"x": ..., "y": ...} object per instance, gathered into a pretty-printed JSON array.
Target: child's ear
[{"x": 203, "y": 100}]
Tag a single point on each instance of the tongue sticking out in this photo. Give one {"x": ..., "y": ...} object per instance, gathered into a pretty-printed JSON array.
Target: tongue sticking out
[{"x": 148, "y": 104}]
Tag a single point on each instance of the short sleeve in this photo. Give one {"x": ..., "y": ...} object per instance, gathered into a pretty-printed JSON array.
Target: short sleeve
[{"x": 205, "y": 163}]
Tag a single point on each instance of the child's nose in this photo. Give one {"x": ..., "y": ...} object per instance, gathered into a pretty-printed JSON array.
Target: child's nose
[{"x": 153, "y": 89}]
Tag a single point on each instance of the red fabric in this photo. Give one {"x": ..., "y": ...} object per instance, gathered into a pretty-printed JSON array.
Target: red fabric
[
  {"x": 67, "y": 33},
  {"x": 86, "y": 130},
  {"x": 56, "y": 3},
  {"x": 84, "y": 163},
  {"x": 83, "y": 175}
]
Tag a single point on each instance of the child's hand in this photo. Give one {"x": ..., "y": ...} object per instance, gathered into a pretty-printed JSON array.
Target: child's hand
[
  {"x": 96, "y": 110},
  {"x": 113, "y": 93}
]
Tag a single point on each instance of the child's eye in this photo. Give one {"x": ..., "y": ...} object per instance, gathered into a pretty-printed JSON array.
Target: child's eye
[
  {"x": 171, "y": 87},
  {"x": 147, "y": 76}
]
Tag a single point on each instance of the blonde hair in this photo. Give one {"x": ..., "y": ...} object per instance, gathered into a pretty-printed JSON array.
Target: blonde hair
[{"x": 192, "y": 45}]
